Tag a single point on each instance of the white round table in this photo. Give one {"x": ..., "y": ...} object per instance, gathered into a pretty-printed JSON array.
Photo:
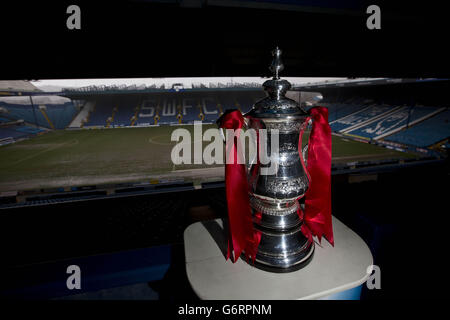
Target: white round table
[{"x": 337, "y": 272}]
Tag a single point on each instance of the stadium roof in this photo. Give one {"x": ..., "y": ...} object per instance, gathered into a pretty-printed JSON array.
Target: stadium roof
[
  {"x": 360, "y": 82},
  {"x": 17, "y": 86}
]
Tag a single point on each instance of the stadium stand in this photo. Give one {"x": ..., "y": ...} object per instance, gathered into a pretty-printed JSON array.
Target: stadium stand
[
  {"x": 19, "y": 111},
  {"x": 51, "y": 112},
  {"x": 4, "y": 120},
  {"x": 340, "y": 110},
  {"x": 11, "y": 133},
  {"x": 400, "y": 123},
  {"x": 15, "y": 131},
  {"x": 100, "y": 113},
  {"x": 426, "y": 133},
  {"x": 211, "y": 110},
  {"x": 61, "y": 115},
  {"x": 124, "y": 113},
  {"x": 141, "y": 111},
  {"x": 393, "y": 122},
  {"x": 360, "y": 117},
  {"x": 411, "y": 125}
]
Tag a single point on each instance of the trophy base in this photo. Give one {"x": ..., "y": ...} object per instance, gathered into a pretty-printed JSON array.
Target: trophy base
[{"x": 308, "y": 256}]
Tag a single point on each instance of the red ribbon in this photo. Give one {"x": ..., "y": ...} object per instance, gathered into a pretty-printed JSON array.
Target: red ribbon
[
  {"x": 317, "y": 215},
  {"x": 243, "y": 238}
]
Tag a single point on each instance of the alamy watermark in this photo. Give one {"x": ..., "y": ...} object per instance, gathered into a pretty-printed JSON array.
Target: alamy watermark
[
  {"x": 374, "y": 277},
  {"x": 73, "y": 21},
  {"x": 74, "y": 280},
  {"x": 189, "y": 150}
]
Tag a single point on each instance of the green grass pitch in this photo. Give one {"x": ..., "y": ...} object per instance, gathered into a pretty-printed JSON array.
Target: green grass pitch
[{"x": 85, "y": 157}]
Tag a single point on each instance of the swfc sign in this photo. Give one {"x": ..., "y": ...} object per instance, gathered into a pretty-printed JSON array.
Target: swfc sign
[{"x": 171, "y": 107}]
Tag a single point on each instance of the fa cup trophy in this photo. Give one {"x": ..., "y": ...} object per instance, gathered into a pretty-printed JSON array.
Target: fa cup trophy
[{"x": 274, "y": 214}]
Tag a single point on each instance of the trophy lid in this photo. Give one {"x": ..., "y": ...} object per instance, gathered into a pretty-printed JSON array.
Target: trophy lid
[{"x": 276, "y": 104}]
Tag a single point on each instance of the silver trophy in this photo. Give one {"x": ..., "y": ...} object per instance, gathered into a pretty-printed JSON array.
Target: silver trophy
[{"x": 283, "y": 247}]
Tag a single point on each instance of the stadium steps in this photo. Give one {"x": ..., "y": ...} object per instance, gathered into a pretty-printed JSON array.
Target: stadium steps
[
  {"x": 71, "y": 120},
  {"x": 82, "y": 116},
  {"x": 88, "y": 118}
]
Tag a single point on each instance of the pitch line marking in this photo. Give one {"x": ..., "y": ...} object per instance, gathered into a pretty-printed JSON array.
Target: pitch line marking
[{"x": 70, "y": 142}]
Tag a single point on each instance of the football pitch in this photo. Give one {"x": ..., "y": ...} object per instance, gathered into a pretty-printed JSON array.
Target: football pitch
[{"x": 68, "y": 158}]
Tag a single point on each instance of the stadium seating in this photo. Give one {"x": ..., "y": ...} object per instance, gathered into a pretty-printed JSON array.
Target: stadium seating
[
  {"x": 356, "y": 116},
  {"x": 46, "y": 111},
  {"x": 211, "y": 110},
  {"x": 392, "y": 122},
  {"x": 11, "y": 133},
  {"x": 17, "y": 131},
  {"x": 102, "y": 111},
  {"x": 340, "y": 110},
  {"x": 29, "y": 130},
  {"x": 4, "y": 120},
  {"x": 167, "y": 106},
  {"x": 20, "y": 111},
  {"x": 359, "y": 115},
  {"x": 426, "y": 133},
  {"x": 125, "y": 111},
  {"x": 61, "y": 115}
]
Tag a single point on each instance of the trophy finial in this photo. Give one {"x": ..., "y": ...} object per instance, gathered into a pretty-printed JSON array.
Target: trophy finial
[{"x": 277, "y": 64}]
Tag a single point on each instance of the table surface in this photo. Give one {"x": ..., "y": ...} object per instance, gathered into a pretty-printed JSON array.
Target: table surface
[{"x": 332, "y": 269}]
